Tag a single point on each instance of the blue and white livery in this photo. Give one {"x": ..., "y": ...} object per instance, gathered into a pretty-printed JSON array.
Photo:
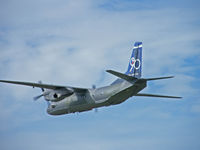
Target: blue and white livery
[{"x": 135, "y": 63}]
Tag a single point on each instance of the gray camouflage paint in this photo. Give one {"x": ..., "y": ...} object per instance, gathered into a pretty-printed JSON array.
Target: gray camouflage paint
[{"x": 105, "y": 96}]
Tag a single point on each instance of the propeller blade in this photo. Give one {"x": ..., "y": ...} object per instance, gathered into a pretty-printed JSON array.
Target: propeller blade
[{"x": 37, "y": 97}]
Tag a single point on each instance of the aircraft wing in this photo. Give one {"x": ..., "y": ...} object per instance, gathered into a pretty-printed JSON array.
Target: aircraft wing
[{"x": 46, "y": 86}]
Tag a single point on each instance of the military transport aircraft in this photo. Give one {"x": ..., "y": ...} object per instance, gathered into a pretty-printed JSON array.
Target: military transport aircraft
[{"x": 66, "y": 99}]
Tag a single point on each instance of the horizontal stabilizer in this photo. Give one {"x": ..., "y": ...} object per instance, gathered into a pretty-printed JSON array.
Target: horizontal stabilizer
[
  {"x": 159, "y": 78},
  {"x": 121, "y": 75},
  {"x": 154, "y": 95}
]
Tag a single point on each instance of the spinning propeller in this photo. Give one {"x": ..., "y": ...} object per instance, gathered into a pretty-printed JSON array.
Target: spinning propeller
[{"x": 43, "y": 94}]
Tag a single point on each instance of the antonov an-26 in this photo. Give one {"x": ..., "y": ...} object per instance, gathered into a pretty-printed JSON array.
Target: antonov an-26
[{"x": 66, "y": 99}]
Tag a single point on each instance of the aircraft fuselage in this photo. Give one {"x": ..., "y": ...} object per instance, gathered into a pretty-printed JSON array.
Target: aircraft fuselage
[{"x": 94, "y": 98}]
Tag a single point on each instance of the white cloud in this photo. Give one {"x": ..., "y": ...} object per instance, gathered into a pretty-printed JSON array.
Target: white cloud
[{"x": 72, "y": 43}]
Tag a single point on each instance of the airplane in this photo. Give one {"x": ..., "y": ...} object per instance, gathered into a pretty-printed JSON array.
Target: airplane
[{"x": 65, "y": 99}]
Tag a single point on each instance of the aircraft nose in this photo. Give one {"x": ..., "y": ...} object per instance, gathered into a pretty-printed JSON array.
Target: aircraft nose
[
  {"x": 49, "y": 111},
  {"x": 54, "y": 111}
]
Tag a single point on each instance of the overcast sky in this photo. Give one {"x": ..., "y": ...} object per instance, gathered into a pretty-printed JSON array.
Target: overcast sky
[{"x": 72, "y": 43}]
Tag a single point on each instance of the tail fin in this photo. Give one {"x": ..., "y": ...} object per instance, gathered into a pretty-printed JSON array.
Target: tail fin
[{"x": 135, "y": 63}]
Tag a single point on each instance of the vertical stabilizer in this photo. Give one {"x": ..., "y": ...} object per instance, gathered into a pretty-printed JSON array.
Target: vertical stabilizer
[{"x": 135, "y": 63}]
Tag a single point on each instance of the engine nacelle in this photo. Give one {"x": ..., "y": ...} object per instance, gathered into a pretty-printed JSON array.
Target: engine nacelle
[{"x": 57, "y": 95}]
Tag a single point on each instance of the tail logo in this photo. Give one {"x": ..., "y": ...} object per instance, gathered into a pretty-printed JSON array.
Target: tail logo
[{"x": 134, "y": 63}]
